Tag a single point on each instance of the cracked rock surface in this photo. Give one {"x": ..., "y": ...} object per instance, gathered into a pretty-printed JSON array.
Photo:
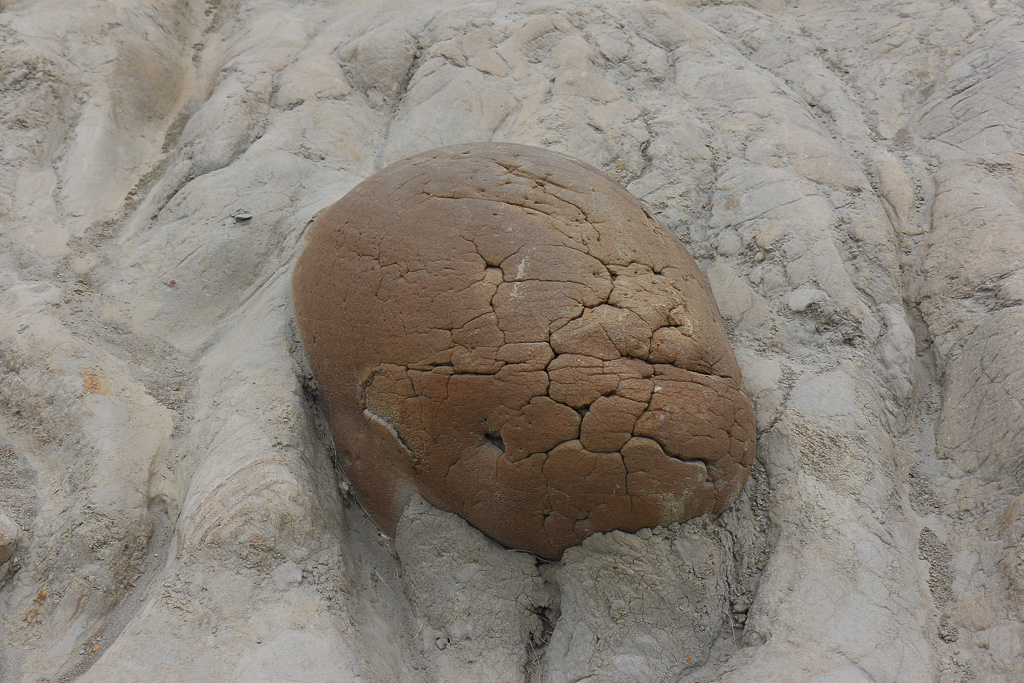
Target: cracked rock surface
[
  {"x": 509, "y": 333},
  {"x": 847, "y": 176}
]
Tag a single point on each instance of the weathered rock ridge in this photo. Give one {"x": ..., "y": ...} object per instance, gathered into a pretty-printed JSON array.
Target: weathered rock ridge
[{"x": 848, "y": 177}]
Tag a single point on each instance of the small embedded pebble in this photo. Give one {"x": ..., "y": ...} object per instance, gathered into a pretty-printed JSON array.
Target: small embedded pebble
[
  {"x": 730, "y": 244},
  {"x": 288, "y": 575},
  {"x": 8, "y": 537},
  {"x": 799, "y": 300}
]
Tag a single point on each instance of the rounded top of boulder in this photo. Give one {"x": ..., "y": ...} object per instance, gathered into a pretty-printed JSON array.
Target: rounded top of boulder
[{"x": 508, "y": 332}]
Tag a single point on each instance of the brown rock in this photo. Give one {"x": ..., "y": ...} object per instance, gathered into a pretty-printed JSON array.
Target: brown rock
[{"x": 508, "y": 332}]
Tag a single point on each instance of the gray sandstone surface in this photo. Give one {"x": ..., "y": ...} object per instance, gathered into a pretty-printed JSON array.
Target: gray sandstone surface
[{"x": 848, "y": 177}]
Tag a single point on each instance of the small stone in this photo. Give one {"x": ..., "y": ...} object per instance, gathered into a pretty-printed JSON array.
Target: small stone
[
  {"x": 645, "y": 534},
  {"x": 799, "y": 300},
  {"x": 8, "y": 538},
  {"x": 242, "y": 216},
  {"x": 730, "y": 244},
  {"x": 288, "y": 575}
]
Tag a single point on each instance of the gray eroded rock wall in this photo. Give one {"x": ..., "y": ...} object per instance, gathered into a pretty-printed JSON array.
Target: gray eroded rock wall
[{"x": 848, "y": 176}]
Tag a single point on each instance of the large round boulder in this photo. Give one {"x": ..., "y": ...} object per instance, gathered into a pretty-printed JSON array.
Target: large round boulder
[{"x": 508, "y": 332}]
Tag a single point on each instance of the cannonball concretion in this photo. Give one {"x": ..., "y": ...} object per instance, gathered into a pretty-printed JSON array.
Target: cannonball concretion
[{"x": 508, "y": 332}]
